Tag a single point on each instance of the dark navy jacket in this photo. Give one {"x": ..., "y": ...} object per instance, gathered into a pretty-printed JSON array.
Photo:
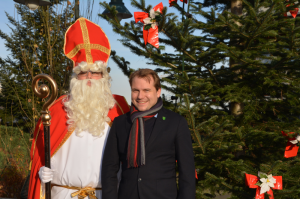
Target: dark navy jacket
[{"x": 169, "y": 141}]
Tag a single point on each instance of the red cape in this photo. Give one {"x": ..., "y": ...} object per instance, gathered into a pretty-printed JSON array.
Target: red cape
[{"x": 58, "y": 135}]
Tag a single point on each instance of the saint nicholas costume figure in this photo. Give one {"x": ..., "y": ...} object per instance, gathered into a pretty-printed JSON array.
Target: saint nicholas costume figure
[{"x": 80, "y": 121}]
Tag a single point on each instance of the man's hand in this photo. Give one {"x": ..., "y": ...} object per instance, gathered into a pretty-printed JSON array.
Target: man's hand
[{"x": 46, "y": 174}]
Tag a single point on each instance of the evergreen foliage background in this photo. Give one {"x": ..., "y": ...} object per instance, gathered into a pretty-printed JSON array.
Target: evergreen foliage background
[
  {"x": 250, "y": 60},
  {"x": 262, "y": 77},
  {"x": 36, "y": 46}
]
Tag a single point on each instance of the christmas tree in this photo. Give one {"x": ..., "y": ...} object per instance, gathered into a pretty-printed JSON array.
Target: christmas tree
[
  {"x": 237, "y": 79},
  {"x": 36, "y": 46}
]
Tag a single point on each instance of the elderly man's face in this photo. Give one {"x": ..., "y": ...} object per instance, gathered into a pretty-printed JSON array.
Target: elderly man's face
[{"x": 89, "y": 75}]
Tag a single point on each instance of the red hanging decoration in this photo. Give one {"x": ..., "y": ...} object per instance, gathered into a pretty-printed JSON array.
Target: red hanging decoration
[
  {"x": 172, "y": 2},
  {"x": 291, "y": 149},
  {"x": 293, "y": 12},
  {"x": 150, "y": 33},
  {"x": 251, "y": 181}
]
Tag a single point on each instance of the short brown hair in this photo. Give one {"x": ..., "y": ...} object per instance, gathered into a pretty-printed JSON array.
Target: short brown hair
[{"x": 146, "y": 73}]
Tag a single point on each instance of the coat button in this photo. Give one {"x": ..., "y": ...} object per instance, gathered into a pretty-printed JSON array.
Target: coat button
[{"x": 140, "y": 179}]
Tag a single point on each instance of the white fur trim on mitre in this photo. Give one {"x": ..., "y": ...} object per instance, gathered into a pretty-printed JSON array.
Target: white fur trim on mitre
[{"x": 97, "y": 66}]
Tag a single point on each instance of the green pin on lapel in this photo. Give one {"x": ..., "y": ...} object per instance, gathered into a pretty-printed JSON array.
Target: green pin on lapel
[{"x": 164, "y": 118}]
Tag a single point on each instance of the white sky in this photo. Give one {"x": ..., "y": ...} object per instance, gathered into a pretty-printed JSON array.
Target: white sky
[{"x": 120, "y": 83}]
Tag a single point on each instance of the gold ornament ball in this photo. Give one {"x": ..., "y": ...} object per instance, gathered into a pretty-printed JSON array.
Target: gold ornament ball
[
  {"x": 46, "y": 119},
  {"x": 44, "y": 90}
]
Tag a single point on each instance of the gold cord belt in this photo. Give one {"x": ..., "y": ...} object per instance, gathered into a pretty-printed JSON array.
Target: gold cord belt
[{"x": 82, "y": 192}]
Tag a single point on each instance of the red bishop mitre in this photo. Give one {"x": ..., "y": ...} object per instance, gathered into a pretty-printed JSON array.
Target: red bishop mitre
[{"x": 86, "y": 42}]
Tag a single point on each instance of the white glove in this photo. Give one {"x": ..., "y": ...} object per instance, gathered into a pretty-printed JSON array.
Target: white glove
[{"x": 46, "y": 174}]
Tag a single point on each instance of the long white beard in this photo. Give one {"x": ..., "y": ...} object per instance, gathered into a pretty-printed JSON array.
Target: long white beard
[{"x": 87, "y": 106}]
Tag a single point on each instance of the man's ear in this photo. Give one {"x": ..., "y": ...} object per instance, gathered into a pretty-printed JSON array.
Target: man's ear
[{"x": 158, "y": 92}]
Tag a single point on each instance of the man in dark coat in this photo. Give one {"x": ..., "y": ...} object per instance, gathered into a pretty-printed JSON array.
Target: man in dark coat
[{"x": 148, "y": 141}]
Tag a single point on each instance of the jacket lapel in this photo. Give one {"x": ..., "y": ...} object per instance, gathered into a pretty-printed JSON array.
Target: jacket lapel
[{"x": 158, "y": 127}]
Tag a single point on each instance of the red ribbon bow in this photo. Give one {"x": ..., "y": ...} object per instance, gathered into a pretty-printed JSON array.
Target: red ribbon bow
[
  {"x": 251, "y": 180},
  {"x": 175, "y": 1},
  {"x": 291, "y": 149},
  {"x": 293, "y": 12},
  {"x": 151, "y": 35}
]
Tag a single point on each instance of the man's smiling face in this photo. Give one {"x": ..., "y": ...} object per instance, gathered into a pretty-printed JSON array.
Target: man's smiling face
[{"x": 143, "y": 93}]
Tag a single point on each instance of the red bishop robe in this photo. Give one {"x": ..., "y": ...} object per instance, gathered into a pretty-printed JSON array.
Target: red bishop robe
[{"x": 59, "y": 133}]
